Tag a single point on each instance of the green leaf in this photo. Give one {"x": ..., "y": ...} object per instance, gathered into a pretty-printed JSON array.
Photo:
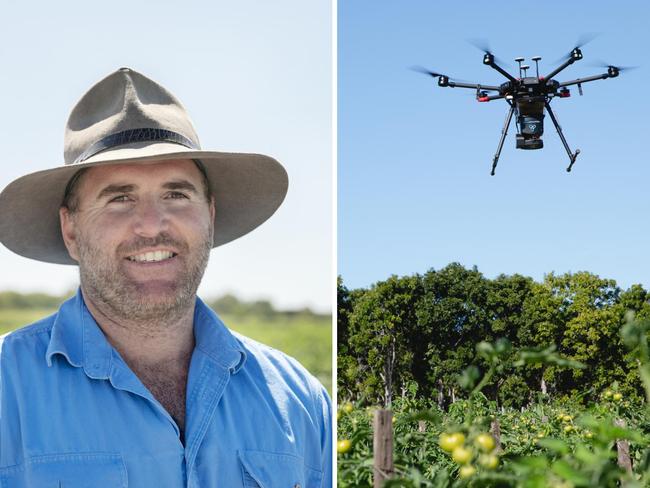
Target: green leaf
[
  {"x": 427, "y": 415},
  {"x": 563, "y": 469},
  {"x": 555, "y": 445},
  {"x": 532, "y": 462},
  {"x": 502, "y": 346},
  {"x": 586, "y": 456},
  {"x": 485, "y": 349},
  {"x": 468, "y": 378}
]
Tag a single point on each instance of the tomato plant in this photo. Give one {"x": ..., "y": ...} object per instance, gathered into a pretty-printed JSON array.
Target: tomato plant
[{"x": 474, "y": 443}]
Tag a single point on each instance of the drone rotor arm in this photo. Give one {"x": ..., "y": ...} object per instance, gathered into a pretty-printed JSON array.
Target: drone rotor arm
[
  {"x": 498, "y": 68},
  {"x": 568, "y": 62},
  {"x": 474, "y": 86},
  {"x": 604, "y": 76}
]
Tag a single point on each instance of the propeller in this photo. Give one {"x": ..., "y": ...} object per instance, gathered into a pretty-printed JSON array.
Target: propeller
[
  {"x": 484, "y": 45},
  {"x": 425, "y": 71},
  {"x": 599, "y": 63},
  {"x": 583, "y": 40}
]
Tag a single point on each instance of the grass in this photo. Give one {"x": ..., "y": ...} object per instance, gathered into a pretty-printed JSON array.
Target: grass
[
  {"x": 11, "y": 319},
  {"x": 309, "y": 340}
]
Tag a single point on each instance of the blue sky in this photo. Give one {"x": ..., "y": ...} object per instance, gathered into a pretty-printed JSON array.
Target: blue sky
[
  {"x": 414, "y": 190},
  {"x": 255, "y": 76}
]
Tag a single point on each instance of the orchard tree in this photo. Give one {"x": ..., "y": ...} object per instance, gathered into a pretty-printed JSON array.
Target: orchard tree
[
  {"x": 590, "y": 329},
  {"x": 452, "y": 317},
  {"x": 382, "y": 328},
  {"x": 346, "y": 361}
]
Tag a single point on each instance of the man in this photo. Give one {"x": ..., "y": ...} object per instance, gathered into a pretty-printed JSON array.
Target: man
[{"x": 134, "y": 381}]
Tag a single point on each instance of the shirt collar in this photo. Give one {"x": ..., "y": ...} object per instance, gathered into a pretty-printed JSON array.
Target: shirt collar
[
  {"x": 215, "y": 340},
  {"x": 77, "y": 337}
]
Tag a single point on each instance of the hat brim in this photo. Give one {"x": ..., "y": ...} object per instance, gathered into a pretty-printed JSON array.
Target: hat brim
[{"x": 248, "y": 189}]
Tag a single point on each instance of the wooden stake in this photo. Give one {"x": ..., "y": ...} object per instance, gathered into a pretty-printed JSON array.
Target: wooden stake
[
  {"x": 623, "y": 448},
  {"x": 495, "y": 430},
  {"x": 383, "y": 446}
]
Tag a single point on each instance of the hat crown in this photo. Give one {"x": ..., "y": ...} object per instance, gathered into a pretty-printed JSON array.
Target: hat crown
[{"x": 123, "y": 101}]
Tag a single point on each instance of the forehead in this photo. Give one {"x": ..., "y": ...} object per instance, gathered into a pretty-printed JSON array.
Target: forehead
[{"x": 142, "y": 174}]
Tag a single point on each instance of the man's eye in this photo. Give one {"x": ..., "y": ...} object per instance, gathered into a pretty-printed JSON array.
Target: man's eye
[
  {"x": 119, "y": 198},
  {"x": 176, "y": 195}
]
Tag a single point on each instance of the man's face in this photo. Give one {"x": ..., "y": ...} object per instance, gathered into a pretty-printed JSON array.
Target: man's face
[{"x": 142, "y": 235}]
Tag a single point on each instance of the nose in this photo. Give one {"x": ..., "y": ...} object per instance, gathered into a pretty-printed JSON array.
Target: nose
[{"x": 150, "y": 218}]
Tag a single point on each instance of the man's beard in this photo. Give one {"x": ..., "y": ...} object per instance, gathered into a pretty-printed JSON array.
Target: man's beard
[{"x": 118, "y": 295}]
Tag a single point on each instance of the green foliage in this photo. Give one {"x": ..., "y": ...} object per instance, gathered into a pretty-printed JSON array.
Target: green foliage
[
  {"x": 551, "y": 443},
  {"x": 12, "y": 318},
  {"x": 11, "y": 300},
  {"x": 231, "y": 306},
  {"x": 431, "y": 323},
  {"x": 380, "y": 332}
]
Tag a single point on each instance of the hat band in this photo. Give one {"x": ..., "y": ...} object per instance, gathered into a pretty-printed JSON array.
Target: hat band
[{"x": 135, "y": 135}]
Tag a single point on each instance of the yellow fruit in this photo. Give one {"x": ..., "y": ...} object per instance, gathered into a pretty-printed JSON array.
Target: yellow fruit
[
  {"x": 344, "y": 445},
  {"x": 449, "y": 442},
  {"x": 607, "y": 394},
  {"x": 589, "y": 434},
  {"x": 347, "y": 408},
  {"x": 461, "y": 455},
  {"x": 467, "y": 471},
  {"x": 567, "y": 418},
  {"x": 541, "y": 435},
  {"x": 617, "y": 397},
  {"x": 568, "y": 428},
  {"x": 485, "y": 442},
  {"x": 489, "y": 461},
  {"x": 338, "y": 415}
]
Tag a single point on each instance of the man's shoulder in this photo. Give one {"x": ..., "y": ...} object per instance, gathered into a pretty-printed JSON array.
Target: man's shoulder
[
  {"x": 271, "y": 362},
  {"x": 25, "y": 337},
  {"x": 269, "y": 355}
]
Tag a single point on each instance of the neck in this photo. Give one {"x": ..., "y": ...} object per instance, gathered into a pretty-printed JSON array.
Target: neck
[{"x": 166, "y": 339}]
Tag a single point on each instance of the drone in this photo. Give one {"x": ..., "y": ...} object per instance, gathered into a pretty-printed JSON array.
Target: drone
[{"x": 528, "y": 96}]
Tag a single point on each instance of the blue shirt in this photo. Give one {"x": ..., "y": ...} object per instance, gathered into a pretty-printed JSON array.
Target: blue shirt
[{"x": 73, "y": 414}]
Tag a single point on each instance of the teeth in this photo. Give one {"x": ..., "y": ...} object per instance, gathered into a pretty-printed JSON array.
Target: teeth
[{"x": 151, "y": 256}]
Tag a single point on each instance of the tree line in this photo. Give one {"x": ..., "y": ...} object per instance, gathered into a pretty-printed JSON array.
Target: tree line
[{"x": 417, "y": 334}]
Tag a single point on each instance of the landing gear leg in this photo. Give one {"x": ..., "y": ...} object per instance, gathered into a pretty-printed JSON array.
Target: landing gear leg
[
  {"x": 572, "y": 156},
  {"x": 504, "y": 133}
]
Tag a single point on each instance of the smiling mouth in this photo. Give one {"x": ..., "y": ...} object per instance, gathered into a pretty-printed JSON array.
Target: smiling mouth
[{"x": 152, "y": 256}]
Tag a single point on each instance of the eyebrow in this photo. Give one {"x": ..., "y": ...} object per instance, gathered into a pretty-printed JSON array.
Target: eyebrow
[
  {"x": 127, "y": 188},
  {"x": 180, "y": 185},
  {"x": 112, "y": 189}
]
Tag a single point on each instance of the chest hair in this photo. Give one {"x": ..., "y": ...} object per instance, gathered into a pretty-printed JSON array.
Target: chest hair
[{"x": 168, "y": 386}]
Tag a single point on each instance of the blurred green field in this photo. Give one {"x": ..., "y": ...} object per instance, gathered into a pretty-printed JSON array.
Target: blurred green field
[{"x": 308, "y": 339}]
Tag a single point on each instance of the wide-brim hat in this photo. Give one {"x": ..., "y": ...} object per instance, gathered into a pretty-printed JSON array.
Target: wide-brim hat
[{"x": 127, "y": 118}]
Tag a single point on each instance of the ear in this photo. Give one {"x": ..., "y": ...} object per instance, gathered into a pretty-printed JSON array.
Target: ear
[
  {"x": 212, "y": 209},
  {"x": 68, "y": 232},
  {"x": 212, "y": 214}
]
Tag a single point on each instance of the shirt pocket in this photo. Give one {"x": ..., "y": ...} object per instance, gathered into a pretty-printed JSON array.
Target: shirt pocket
[
  {"x": 262, "y": 469},
  {"x": 79, "y": 470}
]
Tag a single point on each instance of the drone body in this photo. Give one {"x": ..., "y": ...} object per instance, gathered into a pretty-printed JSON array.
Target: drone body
[{"x": 529, "y": 98}]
